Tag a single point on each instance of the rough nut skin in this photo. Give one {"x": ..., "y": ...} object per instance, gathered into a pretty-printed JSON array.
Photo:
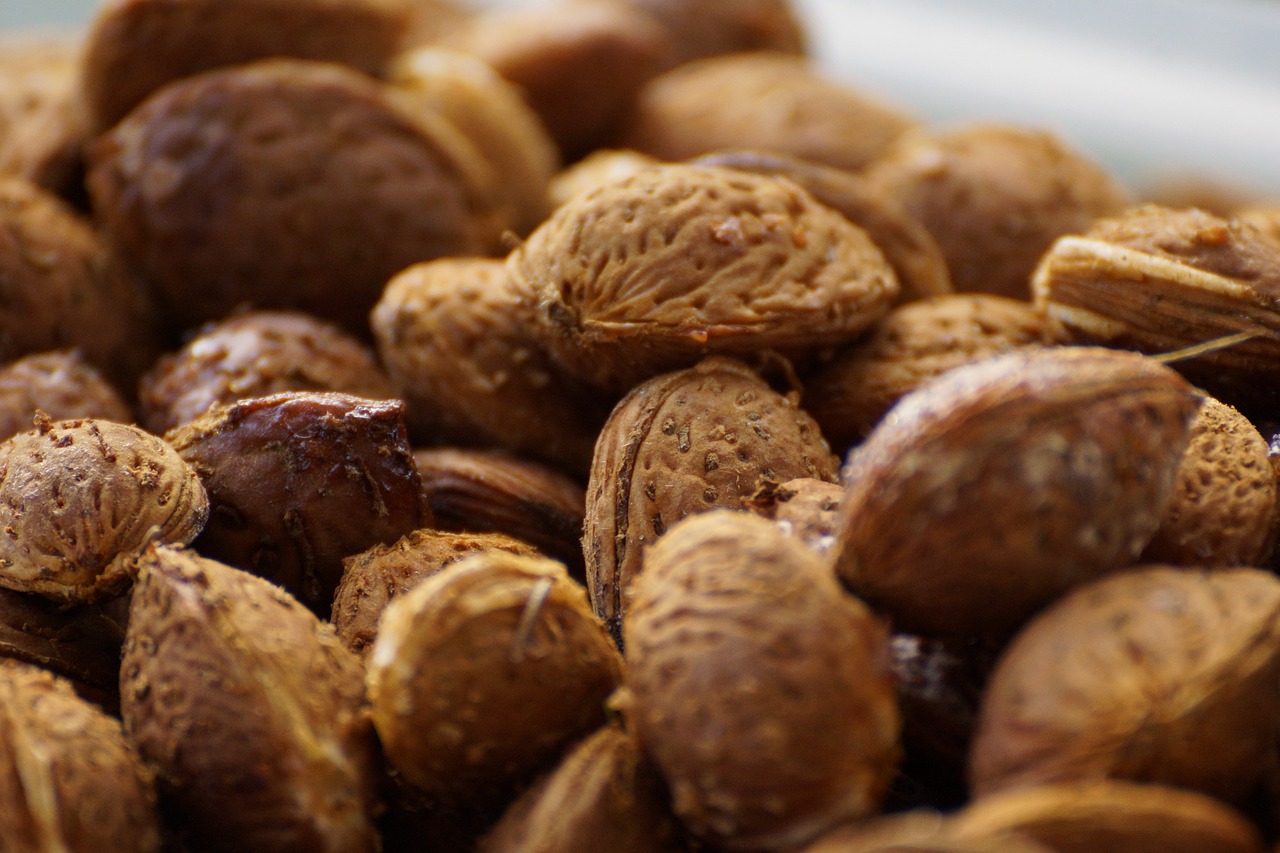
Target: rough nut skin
[
  {"x": 656, "y": 270},
  {"x": 255, "y": 354},
  {"x": 1223, "y": 510},
  {"x": 699, "y": 439},
  {"x": 768, "y": 101},
  {"x": 135, "y": 47},
  {"x": 758, "y": 687},
  {"x": 69, "y": 781},
  {"x": 456, "y": 337},
  {"x": 912, "y": 344},
  {"x": 41, "y": 124},
  {"x": 1158, "y": 280},
  {"x": 601, "y": 166},
  {"x": 805, "y": 508},
  {"x": 284, "y": 184},
  {"x": 460, "y": 651},
  {"x": 700, "y": 28},
  {"x": 81, "y": 499},
  {"x": 298, "y": 481},
  {"x": 1189, "y": 700},
  {"x": 59, "y": 383},
  {"x": 373, "y": 578},
  {"x": 604, "y": 795},
  {"x": 991, "y": 490},
  {"x": 995, "y": 198},
  {"x": 250, "y": 709}
]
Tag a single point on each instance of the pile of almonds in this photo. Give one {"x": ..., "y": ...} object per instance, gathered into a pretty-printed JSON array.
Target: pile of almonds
[{"x": 588, "y": 427}]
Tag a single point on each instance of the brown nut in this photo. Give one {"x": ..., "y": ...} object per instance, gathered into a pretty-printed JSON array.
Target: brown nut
[
  {"x": 601, "y": 166},
  {"x": 769, "y": 101},
  {"x": 283, "y": 184},
  {"x": 59, "y": 383},
  {"x": 758, "y": 687},
  {"x": 604, "y": 795},
  {"x": 249, "y": 708},
  {"x": 255, "y": 354},
  {"x": 675, "y": 262},
  {"x": 81, "y": 499},
  {"x": 1189, "y": 700},
  {"x": 69, "y": 781},
  {"x": 1158, "y": 280},
  {"x": 373, "y": 578},
  {"x": 700, "y": 28},
  {"x": 458, "y": 652},
  {"x": 135, "y": 47},
  {"x": 914, "y": 343},
  {"x": 995, "y": 197},
  {"x": 298, "y": 481},
  {"x": 806, "y": 508},
  {"x": 456, "y": 337},
  {"x": 683, "y": 443},
  {"x": 916, "y": 831},
  {"x": 1031, "y": 471},
  {"x": 42, "y": 129}
]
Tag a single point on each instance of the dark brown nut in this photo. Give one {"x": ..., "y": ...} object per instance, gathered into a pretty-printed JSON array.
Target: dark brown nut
[
  {"x": 69, "y": 781},
  {"x": 283, "y": 184},
  {"x": 917, "y": 831},
  {"x": 62, "y": 287},
  {"x": 135, "y": 47},
  {"x": 1223, "y": 511},
  {"x": 1122, "y": 817},
  {"x": 1189, "y": 698},
  {"x": 1030, "y": 472},
  {"x": 298, "y": 481},
  {"x": 604, "y": 795},
  {"x": 250, "y": 709},
  {"x": 81, "y": 499},
  {"x": 914, "y": 343},
  {"x": 700, "y": 28},
  {"x": 373, "y": 578},
  {"x": 62, "y": 385},
  {"x": 256, "y": 354},
  {"x": 699, "y": 439},
  {"x": 490, "y": 491},
  {"x": 456, "y": 337},
  {"x": 601, "y": 166},
  {"x": 1158, "y": 280},
  {"x": 676, "y": 262},
  {"x": 484, "y": 673},
  {"x": 578, "y": 63},
  {"x": 908, "y": 247},
  {"x": 757, "y": 686},
  {"x": 494, "y": 117},
  {"x": 41, "y": 125},
  {"x": 995, "y": 198},
  {"x": 806, "y": 508},
  {"x": 768, "y": 101}
]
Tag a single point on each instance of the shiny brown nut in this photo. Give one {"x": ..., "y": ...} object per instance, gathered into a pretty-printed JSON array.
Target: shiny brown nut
[
  {"x": 700, "y": 28},
  {"x": 69, "y": 781},
  {"x": 373, "y": 578},
  {"x": 1223, "y": 510},
  {"x": 250, "y": 709},
  {"x": 59, "y": 383},
  {"x": 601, "y": 166},
  {"x": 256, "y": 354},
  {"x": 654, "y": 271},
  {"x": 456, "y": 337},
  {"x": 1031, "y": 471},
  {"x": 769, "y": 101},
  {"x": 283, "y": 184},
  {"x": 680, "y": 444},
  {"x": 491, "y": 491},
  {"x": 134, "y": 47},
  {"x": 63, "y": 287},
  {"x": 1158, "y": 280},
  {"x": 81, "y": 499},
  {"x": 578, "y": 63},
  {"x": 995, "y": 198},
  {"x": 806, "y": 508},
  {"x": 484, "y": 673},
  {"x": 757, "y": 686},
  {"x": 297, "y": 481},
  {"x": 1122, "y": 817},
  {"x": 912, "y": 344},
  {"x": 42, "y": 129},
  {"x": 604, "y": 795}
]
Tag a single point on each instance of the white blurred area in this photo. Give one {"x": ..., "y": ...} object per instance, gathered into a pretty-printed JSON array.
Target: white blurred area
[{"x": 1155, "y": 90}]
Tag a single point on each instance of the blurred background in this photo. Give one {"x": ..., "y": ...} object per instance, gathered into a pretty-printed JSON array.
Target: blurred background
[{"x": 1159, "y": 91}]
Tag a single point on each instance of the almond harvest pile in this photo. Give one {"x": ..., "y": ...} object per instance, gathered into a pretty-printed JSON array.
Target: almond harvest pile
[{"x": 587, "y": 427}]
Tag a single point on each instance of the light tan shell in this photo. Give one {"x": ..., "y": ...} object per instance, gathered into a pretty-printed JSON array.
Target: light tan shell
[
  {"x": 59, "y": 383},
  {"x": 601, "y": 166}
]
